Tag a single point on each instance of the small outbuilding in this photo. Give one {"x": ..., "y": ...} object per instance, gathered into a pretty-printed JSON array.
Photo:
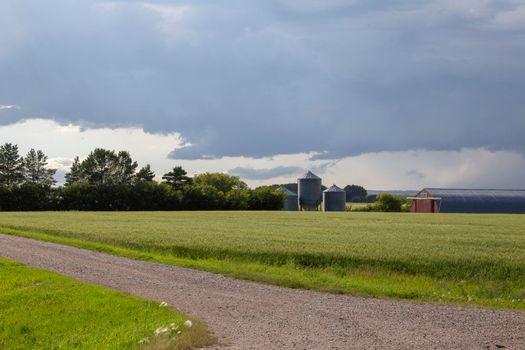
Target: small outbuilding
[
  {"x": 442, "y": 200},
  {"x": 291, "y": 202}
]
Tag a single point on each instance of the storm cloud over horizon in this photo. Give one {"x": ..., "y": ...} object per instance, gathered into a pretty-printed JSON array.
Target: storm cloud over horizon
[{"x": 334, "y": 78}]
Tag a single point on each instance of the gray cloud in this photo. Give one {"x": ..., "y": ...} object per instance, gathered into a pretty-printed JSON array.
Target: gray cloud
[
  {"x": 268, "y": 77},
  {"x": 263, "y": 174},
  {"x": 60, "y": 177},
  {"x": 416, "y": 174}
]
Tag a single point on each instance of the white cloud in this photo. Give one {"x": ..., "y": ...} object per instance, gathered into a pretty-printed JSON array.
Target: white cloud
[
  {"x": 63, "y": 142},
  {"x": 9, "y": 107},
  {"x": 467, "y": 168},
  {"x": 415, "y": 169}
]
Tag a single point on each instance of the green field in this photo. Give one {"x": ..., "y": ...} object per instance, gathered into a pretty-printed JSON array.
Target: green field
[
  {"x": 466, "y": 259},
  {"x": 43, "y": 310}
]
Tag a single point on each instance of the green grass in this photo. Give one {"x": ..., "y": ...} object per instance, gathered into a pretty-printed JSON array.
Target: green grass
[
  {"x": 350, "y": 206},
  {"x": 465, "y": 259},
  {"x": 43, "y": 310}
]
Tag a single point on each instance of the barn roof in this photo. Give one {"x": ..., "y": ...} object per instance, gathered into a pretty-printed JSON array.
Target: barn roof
[
  {"x": 287, "y": 191},
  {"x": 479, "y": 200}
]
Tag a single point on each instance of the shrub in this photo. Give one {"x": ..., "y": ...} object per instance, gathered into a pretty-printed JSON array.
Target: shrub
[{"x": 388, "y": 203}]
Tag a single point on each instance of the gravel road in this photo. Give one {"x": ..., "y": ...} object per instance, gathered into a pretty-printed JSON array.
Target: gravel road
[{"x": 248, "y": 315}]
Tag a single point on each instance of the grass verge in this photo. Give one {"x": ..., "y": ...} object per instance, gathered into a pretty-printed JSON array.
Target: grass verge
[{"x": 44, "y": 310}]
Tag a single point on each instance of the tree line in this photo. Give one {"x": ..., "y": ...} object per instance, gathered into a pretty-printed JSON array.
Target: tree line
[{"x": 109, "y": 180}]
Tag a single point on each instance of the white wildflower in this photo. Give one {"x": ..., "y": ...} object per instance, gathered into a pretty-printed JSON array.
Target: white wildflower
[
  {"x": 178, "y": 332},
  {"x": 173, "y": 326},
  {"x": 188, "y": 323},
  {"x": 161, "y": 330},
  {"x": 144, "y": 341},
  {"x": 163, "y": 304}
]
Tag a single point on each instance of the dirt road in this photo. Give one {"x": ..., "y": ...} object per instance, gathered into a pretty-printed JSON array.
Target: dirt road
[{"x": 248, "y": 315}]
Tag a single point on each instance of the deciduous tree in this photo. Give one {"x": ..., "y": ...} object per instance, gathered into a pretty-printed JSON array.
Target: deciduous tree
[
  {"x": 355, "y": 193},
  {"x": 222, "y": 182}
]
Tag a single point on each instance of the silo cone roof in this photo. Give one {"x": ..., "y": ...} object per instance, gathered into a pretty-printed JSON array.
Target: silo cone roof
[
  {"x": 334, "y": 188},
  {"x": 310, "y": 175}
]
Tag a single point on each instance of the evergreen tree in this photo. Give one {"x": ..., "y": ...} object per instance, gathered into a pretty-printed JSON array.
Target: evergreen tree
[
  {"x": 177, "y": 178},
  {"x": 11, "y": 165},
  {"x": 99, "y": 166},
  {"x": 35, "y": 171},
  {"x": 145, "y": 174},
  {"x": 103, "y": 167},
  {"x": 76, "y": 173}
]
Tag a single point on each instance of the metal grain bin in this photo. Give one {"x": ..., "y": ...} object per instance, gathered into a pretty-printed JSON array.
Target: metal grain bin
[
  {"x": 291, "y": 202},
  {"x": 334, "y": 199},
  {"x": 309, "y": 192}
]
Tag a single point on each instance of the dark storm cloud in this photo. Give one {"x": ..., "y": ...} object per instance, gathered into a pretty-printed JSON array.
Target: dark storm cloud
[
  {"x": 263, "y": 174},
  {"x": 265, "y": 77}
]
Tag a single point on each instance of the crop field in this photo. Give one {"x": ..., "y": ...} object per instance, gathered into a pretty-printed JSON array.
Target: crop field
[
  {"x": 464, "y": 259},
  {"x": 43, "y": 310}
]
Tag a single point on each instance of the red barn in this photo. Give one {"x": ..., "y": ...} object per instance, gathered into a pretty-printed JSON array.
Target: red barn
[
  {"x": 423, "y": 202},
  {"x": 444, "y": 200}
]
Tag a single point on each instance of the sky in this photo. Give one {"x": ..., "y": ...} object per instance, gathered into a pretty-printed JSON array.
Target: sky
[{"x": 390, "y": 95}]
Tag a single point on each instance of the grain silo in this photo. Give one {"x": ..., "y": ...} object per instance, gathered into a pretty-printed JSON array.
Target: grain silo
[
  {"x": 290, "y": 202},
  {"x": 334, "y": 199},
  {"x": 309, "y": 192}
]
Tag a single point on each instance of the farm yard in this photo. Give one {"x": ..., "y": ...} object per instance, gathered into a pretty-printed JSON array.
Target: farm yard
[
  {"x": 43, "y": 310},
  {"x": 462, "y": 259}
]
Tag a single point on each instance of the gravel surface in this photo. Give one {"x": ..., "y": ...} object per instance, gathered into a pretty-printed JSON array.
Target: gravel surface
[{"x": 247, "y": 315}]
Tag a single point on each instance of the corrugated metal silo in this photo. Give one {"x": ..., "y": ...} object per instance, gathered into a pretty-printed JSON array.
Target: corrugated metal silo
[
  {"x": 334, "y": 199},
  {"x": 291, "y": 202},
  {"x": 309, "y": 192}
]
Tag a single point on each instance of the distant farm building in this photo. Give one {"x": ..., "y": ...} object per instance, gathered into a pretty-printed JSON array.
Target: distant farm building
[
  {"x": 440, "y": 200},
  {"x": 310, "y": 195},
  {"x": 309, "y": 192},
  {"x": 291, "y": 202}
]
